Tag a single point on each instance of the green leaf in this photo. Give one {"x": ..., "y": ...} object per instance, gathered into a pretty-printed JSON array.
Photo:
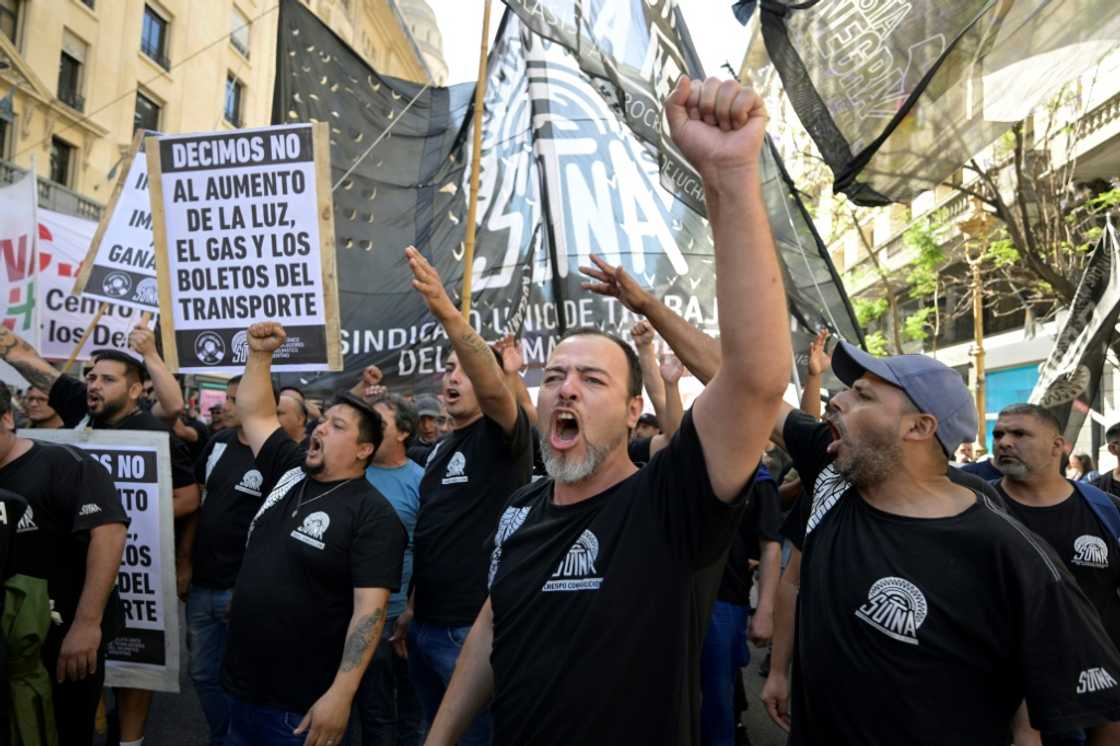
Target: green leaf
[{"x": 876, "y": 344}]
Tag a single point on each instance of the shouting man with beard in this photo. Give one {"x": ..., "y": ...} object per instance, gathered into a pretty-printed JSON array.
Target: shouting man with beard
[
  {"x": 323, "y": 554},
  {"x": 602, "y": 576},
  {"x": 925, "y": 614}
]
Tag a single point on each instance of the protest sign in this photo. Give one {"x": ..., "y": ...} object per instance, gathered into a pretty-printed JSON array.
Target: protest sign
[
  {"x": 146, "y": 654},
  {"x": 18, "y": 243},
  {"x": 120, "y": 266},
  {"x": 244, "y": 232},
  {"x": 64, "y": 318}
]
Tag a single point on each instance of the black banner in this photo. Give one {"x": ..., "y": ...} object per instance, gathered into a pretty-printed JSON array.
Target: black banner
[
  {"x": 563, "y": 176},
  {"x": 898, "y": 94},
  {"x": 1070, "y": 377}
]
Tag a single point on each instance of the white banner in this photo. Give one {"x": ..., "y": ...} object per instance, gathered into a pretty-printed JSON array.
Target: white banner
[
  {"x": 63, "y": 317},
  {"x": 243, "y": 225},
  {"x": 121, "y": 258},
  {"x": 146, "y": 654},
  {"x": 18, "y": 243}
]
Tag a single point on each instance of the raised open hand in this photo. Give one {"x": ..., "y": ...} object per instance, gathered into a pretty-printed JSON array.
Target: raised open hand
[
  {"x": 615, "y": 282},
  {"x": 819, "y": 360}
]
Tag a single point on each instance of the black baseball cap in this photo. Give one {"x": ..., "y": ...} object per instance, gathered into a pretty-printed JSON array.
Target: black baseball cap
[
  {"x": 122, "y": 357},
  {"x": 648, "y": 418}
]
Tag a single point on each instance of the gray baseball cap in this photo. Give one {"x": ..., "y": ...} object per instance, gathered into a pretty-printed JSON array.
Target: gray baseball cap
[
  {"x": 427, "y": 406},
  {"x": 934, "y": 387}
]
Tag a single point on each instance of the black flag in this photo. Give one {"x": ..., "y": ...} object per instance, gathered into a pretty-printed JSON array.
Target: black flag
[
  {"x": 899, "y": 94},
  {"x": 562, "y": 177}
]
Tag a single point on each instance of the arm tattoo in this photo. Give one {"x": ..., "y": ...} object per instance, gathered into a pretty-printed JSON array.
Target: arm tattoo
[
  {"x": 475, "y": 342},
  {"x": 37, "y": 371},
  {"x": 358, "y": 641}
]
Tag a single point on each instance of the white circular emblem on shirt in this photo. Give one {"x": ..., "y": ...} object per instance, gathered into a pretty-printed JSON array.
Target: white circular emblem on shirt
[
  {"x": 895, "y": 607},
  {"x": 252, "y": 479},
  {"x": 1090, "y": 551},
  {"x": 315, "y": 525}
]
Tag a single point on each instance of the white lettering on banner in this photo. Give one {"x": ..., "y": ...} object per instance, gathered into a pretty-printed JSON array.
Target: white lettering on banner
[
  {"x": 243, "y": 244},
  {"x": 142, "y": 655},
  {"x": 125, "y": 250}
]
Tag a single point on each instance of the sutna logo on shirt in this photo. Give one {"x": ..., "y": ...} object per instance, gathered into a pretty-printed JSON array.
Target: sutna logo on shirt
[
  {"x": 455, "y": 469},
  {"x": 313, "y": 529},
  {"x": 1090, "y": 551},
  {"x": 1094, "y": 680},
  {"x": 251, "y": 482},
  {"x": 27, "y": 523},
  {"x": 896, "y": 608},
  {"x": 578, "y": 566},
  {"x": 89, "y": 509}
]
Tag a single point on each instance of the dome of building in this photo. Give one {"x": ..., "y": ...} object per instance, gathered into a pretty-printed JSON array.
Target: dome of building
[{"x": 421, "y": 22}]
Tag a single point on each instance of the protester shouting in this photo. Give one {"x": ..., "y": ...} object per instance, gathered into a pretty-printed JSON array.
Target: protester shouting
[
  {"x": 323, "y": 554},
  {"x": 603, "y": 575},
  {"x": 72, "y": 534},
  {"x": 468, "y": 477}
]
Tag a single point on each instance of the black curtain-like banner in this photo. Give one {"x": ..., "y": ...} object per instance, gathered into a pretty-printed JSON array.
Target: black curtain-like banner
[
  {"x": 1069, "y": 379},
  {"x": 553, "y": 145},
  {"x": 898, "y": 94}
]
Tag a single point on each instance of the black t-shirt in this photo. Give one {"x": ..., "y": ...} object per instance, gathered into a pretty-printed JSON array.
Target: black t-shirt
[
  {"x": 310, "y": 545},
  {"x": 468, "y": 479},
  {"x": 1107, "y": 483},
  {"x": 638, "y": 449},
  {"x": 1084, "y": 545},
  {"x": 68, "y": 398},
  {"x": 763, "y": 520},
  {"x": 932, "y": 631},
  {"x": 68, "y": 493},
  {"x": 12, "y": 508},
  {"x": 419, "y": 451},
  {"x": 600, "y": 608},
  {"x": 196, "y": 448},
  {"x": 234, "y": 489}
]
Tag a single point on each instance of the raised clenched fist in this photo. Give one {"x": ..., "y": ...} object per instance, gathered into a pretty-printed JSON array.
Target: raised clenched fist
[
  {"x": 267, "y": 336},
  {"x": 717, "y": 124}
]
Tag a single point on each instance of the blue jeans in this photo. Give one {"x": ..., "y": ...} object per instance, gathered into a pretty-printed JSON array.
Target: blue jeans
[
  {"x": 725, "y": 652},
  {"x": 207, "y": 625},
  {"x": 432, "y": 652},
  {"x": 253, "y": 725},
  {"x": 386, "y": 702}
]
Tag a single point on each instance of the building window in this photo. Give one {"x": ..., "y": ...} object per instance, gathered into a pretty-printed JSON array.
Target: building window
[
  {"x": 235, "y": 95},
  {"x": 147, "y": 114},
  {"x": 88, "y": 4},
  {"x": 9, "y": 19},
  {"x": 4, "y": 128},
  {"x": 62, "y": 160},
  {"x": 153, "y": 37},
  {"x": 70, "y": 66},
  {"x": 239, "y": 32}
]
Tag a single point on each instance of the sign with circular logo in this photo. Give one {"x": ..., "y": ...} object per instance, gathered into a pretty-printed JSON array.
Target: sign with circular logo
[{"x": 209, "y": 348}]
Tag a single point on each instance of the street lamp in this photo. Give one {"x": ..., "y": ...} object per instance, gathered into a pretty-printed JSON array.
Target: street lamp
[{"x": 976, "y": 228}]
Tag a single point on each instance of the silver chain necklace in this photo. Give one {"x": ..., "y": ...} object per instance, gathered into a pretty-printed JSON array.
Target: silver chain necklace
[{"x": 303, "y": 489}]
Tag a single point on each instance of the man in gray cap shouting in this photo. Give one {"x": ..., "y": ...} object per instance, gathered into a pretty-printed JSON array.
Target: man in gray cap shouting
[{"x": 925, "y": 614}]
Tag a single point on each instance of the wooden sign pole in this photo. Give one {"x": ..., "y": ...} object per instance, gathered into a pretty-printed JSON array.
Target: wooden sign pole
[{"x": 476, "y": 161}]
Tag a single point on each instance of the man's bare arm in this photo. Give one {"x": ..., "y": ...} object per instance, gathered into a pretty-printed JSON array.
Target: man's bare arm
[
  {"x": 256, "y": 403},
  {"x": 671, "y": 414},
  {"x": 472, "y": 684},
  {"x": 720, "y": 128},
  {"x": 769, "y": 575},
  {"x": 699, "y": 352},
  {"x": 326, "y": 721},
  {"x": 775, "y": 693},
  {"x": 1105, "y": 735},
  {"x": 78, "y": 656},
  {"x": 513, "y": 360},
  {"x": 23, "y": 357},
  {"x": 475, "y": 356}
]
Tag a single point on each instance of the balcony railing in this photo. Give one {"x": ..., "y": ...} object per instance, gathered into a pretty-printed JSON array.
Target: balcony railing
[
  {"x": 73, "y": 100},
  {"x": 54, "y": 196}
]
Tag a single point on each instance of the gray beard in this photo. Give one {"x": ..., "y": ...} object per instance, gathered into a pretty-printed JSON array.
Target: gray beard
[
  {"x": 1014, "y": 470},
  {"x": 567, "y": 471}
]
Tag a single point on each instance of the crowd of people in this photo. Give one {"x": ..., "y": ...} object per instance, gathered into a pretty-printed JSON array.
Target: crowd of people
[{"x": 482, "y": 568}]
